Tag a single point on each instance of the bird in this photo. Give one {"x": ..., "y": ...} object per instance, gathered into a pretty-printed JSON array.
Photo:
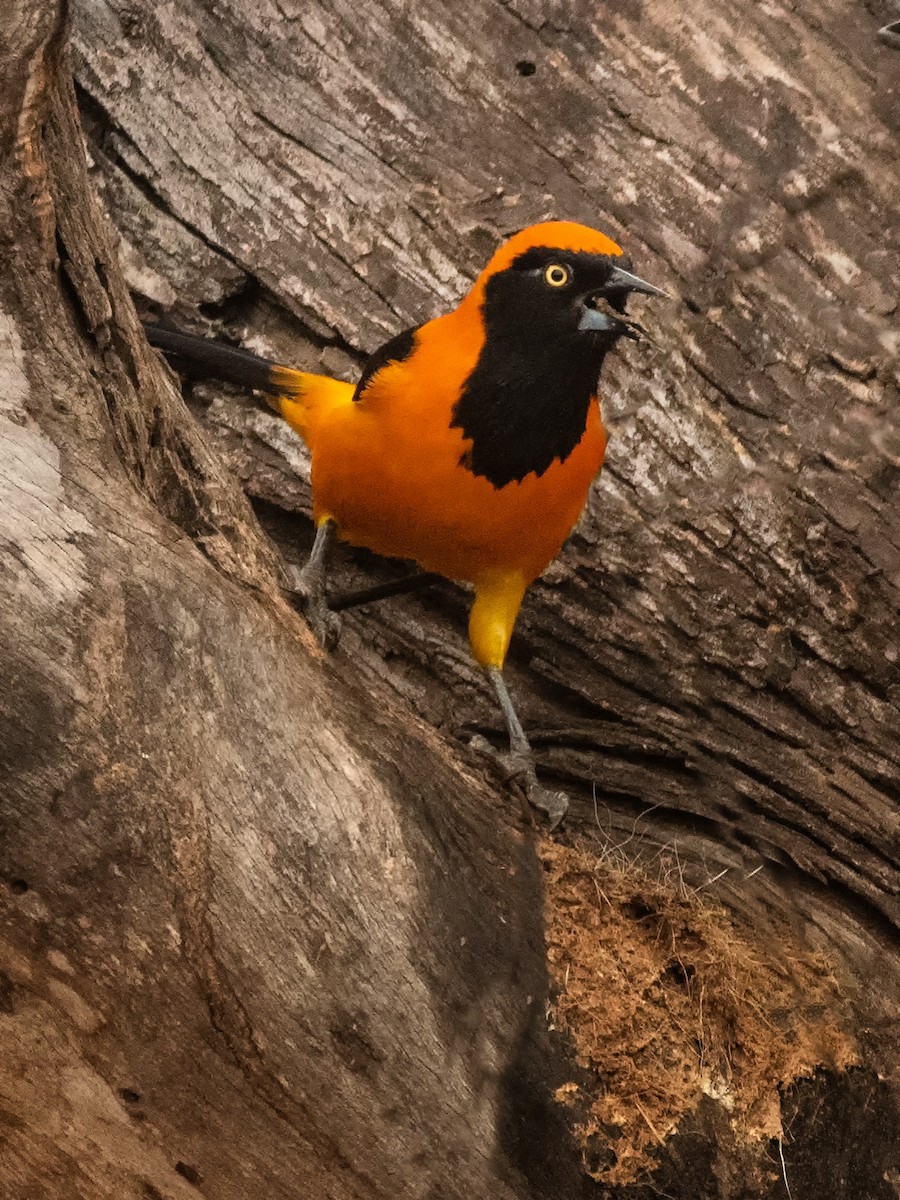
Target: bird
[{"x": 468, "y": 444}]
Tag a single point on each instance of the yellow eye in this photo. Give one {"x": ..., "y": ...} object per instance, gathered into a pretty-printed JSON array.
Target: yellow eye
[{"x": 557, "y": 275}]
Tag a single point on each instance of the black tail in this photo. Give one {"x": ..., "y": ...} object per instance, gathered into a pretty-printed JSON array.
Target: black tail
[{"x": 214, "y": 359}]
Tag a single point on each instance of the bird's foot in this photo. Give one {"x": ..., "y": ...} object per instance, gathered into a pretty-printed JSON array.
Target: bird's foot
[
  {"x": 516, "y": 767},
  {"x": 325, "y": 624}
]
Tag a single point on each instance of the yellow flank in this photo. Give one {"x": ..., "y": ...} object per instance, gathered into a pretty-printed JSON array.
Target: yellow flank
[
  {"x": 493, "y": 616},
  {"x": 303, "y": 397}
]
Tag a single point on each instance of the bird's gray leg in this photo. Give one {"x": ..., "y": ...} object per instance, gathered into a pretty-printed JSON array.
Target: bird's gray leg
[
  {"x": 310, "y": 583},
  {"x": 518, "y": 763}
]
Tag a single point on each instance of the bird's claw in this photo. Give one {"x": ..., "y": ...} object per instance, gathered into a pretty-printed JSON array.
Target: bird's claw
[
  {"x": 517, "y": 771},
  {"x": 554, "y": 805},
  {"x": 324, "y": 623}
]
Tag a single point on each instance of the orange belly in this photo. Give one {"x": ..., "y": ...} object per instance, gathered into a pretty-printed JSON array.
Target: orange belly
[{"x": 387, "y": 470}]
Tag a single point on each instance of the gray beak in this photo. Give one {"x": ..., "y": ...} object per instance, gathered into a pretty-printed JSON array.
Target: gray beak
[
  {"x": 596, "y": 321},
  {"x": 624, "y": 281}
]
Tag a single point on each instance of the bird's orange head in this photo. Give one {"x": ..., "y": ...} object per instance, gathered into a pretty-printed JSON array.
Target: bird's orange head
[
  {"x": 551, "y": 281},
  {"x": 547, "y": 308},
  {"x": 562, "y": 235}
]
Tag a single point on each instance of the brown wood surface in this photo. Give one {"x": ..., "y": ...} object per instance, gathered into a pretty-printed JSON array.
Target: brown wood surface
[
  {"x": 720, "y": 639},
  {"x": 259, "y": 936},
  {"x": 264, "y": 932}
]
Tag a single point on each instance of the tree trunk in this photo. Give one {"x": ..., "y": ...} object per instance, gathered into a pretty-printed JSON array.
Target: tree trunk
[
  {"x": 263, "y": 932},
  {"x": 260, "y": 935}
]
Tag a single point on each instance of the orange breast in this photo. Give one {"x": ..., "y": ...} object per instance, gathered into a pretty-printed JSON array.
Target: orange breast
[{"x": 387, "y": 469}]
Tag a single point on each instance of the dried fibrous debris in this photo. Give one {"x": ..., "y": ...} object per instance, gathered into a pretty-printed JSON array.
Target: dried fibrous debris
[{"x": 668, "y": 1000}]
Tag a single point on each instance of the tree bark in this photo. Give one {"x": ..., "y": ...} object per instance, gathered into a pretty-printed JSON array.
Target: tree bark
[
  {"x": 720, "y": 639},
  {"x": 259, "y": 934},
  {"x": 308, "y": 959}
]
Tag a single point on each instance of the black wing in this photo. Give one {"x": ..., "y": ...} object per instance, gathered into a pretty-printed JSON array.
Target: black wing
[{"x": 396, "y": 350}]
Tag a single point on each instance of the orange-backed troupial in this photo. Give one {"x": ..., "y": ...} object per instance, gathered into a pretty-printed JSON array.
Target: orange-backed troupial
[{"x": 470, "y": 442}]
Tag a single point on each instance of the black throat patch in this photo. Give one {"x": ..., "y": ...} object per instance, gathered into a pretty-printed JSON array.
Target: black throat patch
[{"x": 526, "y": 403}]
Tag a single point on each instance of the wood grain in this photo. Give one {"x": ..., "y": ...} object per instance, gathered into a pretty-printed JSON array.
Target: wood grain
[{"x": 720, "y": 640}]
